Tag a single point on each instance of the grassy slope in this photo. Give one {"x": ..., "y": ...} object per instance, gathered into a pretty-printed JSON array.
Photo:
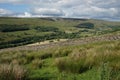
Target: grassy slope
[
  {"x": 46, "y": 64},
  {"x": 65, "y": 25},
  {"x": 65, "y": 63}
]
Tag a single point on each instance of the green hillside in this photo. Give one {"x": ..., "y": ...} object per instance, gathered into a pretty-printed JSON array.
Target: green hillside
[
  {"x": 21, "y": 31},
  {"x": 76, "y": 49},
  {"x": 92, "y": 61}
]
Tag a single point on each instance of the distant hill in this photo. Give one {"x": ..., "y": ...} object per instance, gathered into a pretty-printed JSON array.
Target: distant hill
[{"x": 21, "y": 31}]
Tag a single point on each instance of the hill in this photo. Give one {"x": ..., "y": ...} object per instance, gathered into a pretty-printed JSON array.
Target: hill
[
  {"x": 59, "y": 49},
  {"x": 99, "y": 60},
  {"x": 21, "y": 31}
]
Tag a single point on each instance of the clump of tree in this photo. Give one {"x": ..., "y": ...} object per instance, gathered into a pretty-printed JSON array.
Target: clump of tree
[
  {"x": 87, "y": 25},
  {"x": 13, "y": 27},
  {"x": 46, "y": 29},
  {"x": 114, "y": 28}
]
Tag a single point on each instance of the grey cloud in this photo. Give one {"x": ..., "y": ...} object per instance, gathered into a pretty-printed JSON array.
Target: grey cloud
[
  {"x": 101, "y": 9},
  {"x": 12, "y": 1},
  {"x": 48, "y": 12},
  {"x": 4, "y": 12},
  {"x": 106, "y": 3},
  {"x": 93, "y": 11}
]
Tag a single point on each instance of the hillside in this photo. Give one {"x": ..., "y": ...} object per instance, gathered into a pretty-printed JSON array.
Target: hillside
[
  {"x": 69, "y": 42},
  {"x": 99, "y": 60},
  {"x": 22, "y": 31},
  {"x": 59, "y": 49}
]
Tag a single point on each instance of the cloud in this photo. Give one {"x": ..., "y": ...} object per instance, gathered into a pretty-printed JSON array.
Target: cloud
[
  {"x": 48, "y": 12},
  {"x": 94, "y": 11},
  {"x": 26, "y": 14},
  {"x": 12, "y": 1},
  {"x": 100, "y": 9},
  {"x": 4, "y": 12}
]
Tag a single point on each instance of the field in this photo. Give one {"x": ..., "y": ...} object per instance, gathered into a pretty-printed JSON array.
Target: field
[{"x": 59, "y": 49}]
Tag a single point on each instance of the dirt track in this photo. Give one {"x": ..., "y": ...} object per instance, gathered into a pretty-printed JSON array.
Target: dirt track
[{"x": 66, "y": 43}]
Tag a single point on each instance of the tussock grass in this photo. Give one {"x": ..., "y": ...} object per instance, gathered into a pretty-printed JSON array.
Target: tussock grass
[
  {"x": 62, "y": 52},
  {"x": 12, "y": 72},
  {"x": 92, "y": 55},
  {"x": 37, "y": 63},
  {"x": 93, "y": 61}
]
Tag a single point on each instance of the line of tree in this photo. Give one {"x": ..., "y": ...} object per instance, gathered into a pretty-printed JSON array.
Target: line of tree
[
  {"x": 87, "y": 25},
  {"x": 13, "y": 27},
  {"x": 46, "y": 29},
  {"x": 33, "y": 39}
]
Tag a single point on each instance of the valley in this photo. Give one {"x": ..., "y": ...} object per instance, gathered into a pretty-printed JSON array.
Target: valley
[{"x": 59, "y": 49}]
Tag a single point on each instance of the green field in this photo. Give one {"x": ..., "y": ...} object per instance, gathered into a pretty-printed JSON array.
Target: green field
[{"x": 76, "y": 49}]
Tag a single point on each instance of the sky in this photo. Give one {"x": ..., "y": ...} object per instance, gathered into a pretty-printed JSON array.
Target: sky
[{"x": 95, "y": 9}]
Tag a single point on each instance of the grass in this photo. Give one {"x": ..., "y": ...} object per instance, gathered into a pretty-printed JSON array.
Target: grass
[
  {"x": 12, "y": 72},
  {"x": 93, "y": 61}
]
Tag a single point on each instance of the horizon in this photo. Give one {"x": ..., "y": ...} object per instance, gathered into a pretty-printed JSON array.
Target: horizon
[{"x": 60, "y": 18}]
